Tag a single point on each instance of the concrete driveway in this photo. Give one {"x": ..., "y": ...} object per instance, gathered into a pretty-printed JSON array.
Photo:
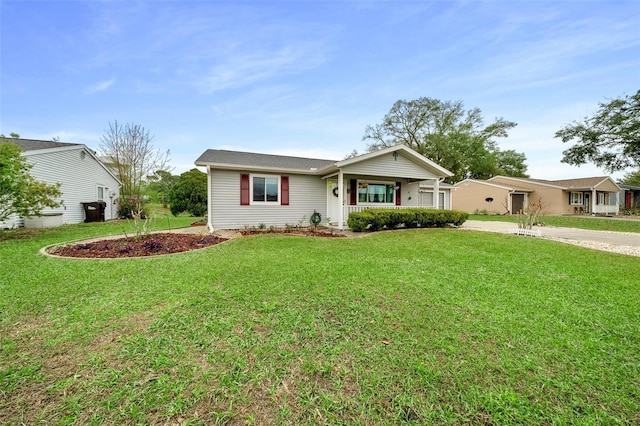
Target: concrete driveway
[{"x": 617, "y": 242}]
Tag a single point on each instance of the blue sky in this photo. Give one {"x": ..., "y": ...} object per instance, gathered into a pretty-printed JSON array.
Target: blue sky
[{"x": 306, "y": 77}]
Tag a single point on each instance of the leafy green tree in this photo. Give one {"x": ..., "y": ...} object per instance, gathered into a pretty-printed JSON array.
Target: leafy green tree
[
  {"x": 632, "y": 178},
  {"x": 21, "y": 193},
  {"x": 511, "y": 163},
  {"x": 609, "y": 139},
  {"x": 159, "y": 184},
  {"x": 446, "y": 133},
  {"x": 189, "y": 194}
]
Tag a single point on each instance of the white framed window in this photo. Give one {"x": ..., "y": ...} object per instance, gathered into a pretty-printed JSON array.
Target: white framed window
[
  {"x": 101, "y": 191},
  {"x": 376, "y": 192},
  {"x": 600, "y": 198},
  {"x": 265, "y": 189},
  {"x": 575, "y": 198}
]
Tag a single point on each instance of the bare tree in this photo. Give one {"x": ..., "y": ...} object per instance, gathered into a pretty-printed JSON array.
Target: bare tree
[{"x": 131, "y": 155}]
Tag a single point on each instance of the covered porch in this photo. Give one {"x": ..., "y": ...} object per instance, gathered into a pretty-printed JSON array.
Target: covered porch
[
  {"x": 391, "y": 178},
  {"x": 355, "y": 193},
  {"x": 593, "y": 202}
]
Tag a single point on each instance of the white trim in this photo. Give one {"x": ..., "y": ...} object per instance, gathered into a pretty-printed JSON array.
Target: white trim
[
  {"x": 341, "y": 218},
  {"x": 572, "y": 203},
  {"x": 375, "y": 182},
  {"x": 209, "y": 209},
  {"x": 264, "y": 203}
]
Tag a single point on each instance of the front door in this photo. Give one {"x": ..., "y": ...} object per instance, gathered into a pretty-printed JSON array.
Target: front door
[
  {"x": 587, "y": 203},
  {"x": 333, "y": 208},
  {"x": 627, "y": 200},
  {"x": 517, "y": 203}
]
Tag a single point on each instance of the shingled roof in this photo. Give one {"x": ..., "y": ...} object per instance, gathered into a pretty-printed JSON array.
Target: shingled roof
[
  {"x": 250, "y": 159},
  {"x": 34, "y": 144},
  {"x": 588, "y": 182}
]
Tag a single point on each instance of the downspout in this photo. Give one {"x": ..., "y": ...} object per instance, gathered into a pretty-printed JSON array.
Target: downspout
[
  {"x": 340, "y": 200},
  {"x": 209, "y": 214}
]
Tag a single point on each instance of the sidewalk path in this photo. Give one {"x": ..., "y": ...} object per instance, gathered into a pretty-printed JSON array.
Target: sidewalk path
[{"x": 617, "y": 242}]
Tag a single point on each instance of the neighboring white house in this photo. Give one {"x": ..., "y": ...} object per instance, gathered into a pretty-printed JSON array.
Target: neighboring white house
[
  {"x": 248, "y": 189},
  {"x": 82, "y": 176}
]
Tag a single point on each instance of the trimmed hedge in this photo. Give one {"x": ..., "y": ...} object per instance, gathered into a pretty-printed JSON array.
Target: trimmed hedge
[{"x": 377, "y": 219}]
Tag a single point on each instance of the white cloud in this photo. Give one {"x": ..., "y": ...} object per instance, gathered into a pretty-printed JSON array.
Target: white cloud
[
  {"x": 259, "y": 65},
  {"x": 101, "y": 86}
]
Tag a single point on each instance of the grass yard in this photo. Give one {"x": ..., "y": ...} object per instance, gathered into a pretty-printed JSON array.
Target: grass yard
[
  {"x": 419, "y": 326},
  {"x": 581, "y": 222}
]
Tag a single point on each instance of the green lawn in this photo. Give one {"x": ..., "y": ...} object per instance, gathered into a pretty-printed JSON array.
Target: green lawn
[
  {"x": 582, "y": 222},
  {"x": 420, "y": 326}
]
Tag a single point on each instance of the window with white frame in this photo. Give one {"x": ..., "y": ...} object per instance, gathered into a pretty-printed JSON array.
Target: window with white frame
[
  {"x": 600, "y": 198},
  {"x": 265, "y": 189},
  {"x": 575, "y": 198},
  {"x": 101, "y": 193},
  {"x": 376, "y": 192}
]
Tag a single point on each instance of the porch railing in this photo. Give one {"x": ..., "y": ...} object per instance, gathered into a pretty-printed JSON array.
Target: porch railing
[
  {"x": 605, "y": 209},
  {"x": 352, "y": 209}
]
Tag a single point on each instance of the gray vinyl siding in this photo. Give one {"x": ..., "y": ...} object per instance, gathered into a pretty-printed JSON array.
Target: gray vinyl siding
[
  {"x": 388, "y": 166},
  {"x": 79, "y": 178},
  {"x": 306, "y": 194}
]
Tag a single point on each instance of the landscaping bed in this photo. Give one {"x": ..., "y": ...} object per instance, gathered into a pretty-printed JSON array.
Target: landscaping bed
[{"x": 149, "y": 245}]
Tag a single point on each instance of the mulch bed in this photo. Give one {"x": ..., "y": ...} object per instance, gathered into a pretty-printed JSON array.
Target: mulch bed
[
  {"x": 162, "y": 243},
  {"x": 306, "y": 232},
  {"x": 149, "y": 245}
]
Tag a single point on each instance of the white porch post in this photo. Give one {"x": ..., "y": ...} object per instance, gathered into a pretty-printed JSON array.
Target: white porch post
[
  {"x": 436, "y": 194},
  {"x": 594, "y": 200},
  {"x": 341, "y": 217},
  {"x": 209, "y": 214}
]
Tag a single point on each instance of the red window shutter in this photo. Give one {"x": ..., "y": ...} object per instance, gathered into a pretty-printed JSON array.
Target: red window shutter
[
  {"x": 284, "y": 190},
  {"x": 244, "y": 190},
  {"x": 398, "y": 194},
  {"x": 353, "y": 184}
]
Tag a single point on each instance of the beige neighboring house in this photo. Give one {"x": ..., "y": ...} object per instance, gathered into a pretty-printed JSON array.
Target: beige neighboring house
[{"x": 509, "y": 195}]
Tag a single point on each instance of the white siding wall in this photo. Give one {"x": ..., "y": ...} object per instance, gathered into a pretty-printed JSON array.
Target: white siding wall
[
  {"x": 389, "y": 166},
  {"x": 306, "y": 194},
  {"x": 80, "y": 178},
  {"x": 410, "y": 190}
]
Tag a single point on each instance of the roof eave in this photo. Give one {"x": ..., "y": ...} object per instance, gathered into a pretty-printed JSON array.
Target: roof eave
[{"x": 254, "y": 168}]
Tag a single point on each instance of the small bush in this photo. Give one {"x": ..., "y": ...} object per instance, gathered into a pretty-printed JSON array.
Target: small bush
[
  {"x": 377, "y": 219},
  {"x": 128, "y": 206}
]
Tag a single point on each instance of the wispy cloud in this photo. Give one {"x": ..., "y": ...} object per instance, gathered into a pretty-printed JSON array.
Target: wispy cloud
[
  {"x": 540, "y": 58},
  {"x": 238, "y": 71},
  {"x": 101, "y": 86}
]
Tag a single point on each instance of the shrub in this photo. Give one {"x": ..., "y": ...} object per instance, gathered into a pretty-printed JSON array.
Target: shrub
[
  {"x": 128, "y": 206},
  {"x": 377, "y": 219},
  {"x": 189, "y": 194}
]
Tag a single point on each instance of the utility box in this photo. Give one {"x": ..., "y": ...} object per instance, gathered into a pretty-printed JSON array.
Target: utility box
[{"x": 94, "y": 211}]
